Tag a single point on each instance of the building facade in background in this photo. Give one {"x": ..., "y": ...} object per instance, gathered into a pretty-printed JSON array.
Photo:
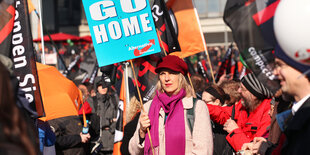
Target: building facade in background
[{"x": 68, "y": 16}]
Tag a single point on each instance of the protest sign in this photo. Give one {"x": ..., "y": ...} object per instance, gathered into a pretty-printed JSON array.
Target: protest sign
[{"x": 121, "y": 30}]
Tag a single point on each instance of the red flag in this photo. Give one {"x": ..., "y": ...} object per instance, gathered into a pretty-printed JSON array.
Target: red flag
[{"x": 7, "y": 12}]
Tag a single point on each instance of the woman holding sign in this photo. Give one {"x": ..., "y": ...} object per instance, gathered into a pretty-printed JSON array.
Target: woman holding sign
[{"x": 178, "y": 123}]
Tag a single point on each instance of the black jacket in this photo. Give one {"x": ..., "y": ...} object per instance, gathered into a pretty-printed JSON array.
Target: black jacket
[
  {"x": 298, "y": 132},
  {"x": 67, "y": 131},
  {"x": 106, "y": 109},
  {"x": 129, "y": 131}
]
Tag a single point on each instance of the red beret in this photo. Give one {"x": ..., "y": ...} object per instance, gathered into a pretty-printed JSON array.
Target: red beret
[{"x": 173, "y": 63}]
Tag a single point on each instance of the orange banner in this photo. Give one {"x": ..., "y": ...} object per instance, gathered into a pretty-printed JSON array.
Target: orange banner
[
  {"x": 30, "y": 6},
  {"x": 119, "y": 133},
  {"x": 189, "y": 35},
  {"x": 60, "y": 96},
  {"x": 117, "y": 148}
]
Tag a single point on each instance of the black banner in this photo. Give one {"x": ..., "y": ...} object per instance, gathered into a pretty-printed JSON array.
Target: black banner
[
  {"x": 119, "y": 71},
  {"x": 245, "y": 18},
  {"x": 236, "y": 74},
  {"x": 165, "y": 28},
  {"x": 23, "y": 57},
  {"x": 90, "y": 76},
  {"x": 147, "y": 79},
  {"x": 203, "y": 70},
  {"x": 225, "y": 65},
  {"x": 191, "y": 69}
]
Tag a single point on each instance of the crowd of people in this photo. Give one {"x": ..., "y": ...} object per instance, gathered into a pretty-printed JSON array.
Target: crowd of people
[
  {"x": 210, "y": 103},
  {"x": 230, "y": 116}
]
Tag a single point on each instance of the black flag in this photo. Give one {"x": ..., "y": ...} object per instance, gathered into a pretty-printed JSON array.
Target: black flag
[
  {"x": 17, "y": 44},
  {"x": 225, "y": 65},
  {"x": 246, "y": 18},
  {"x": 203, "y": 70},
  {"x": 147, "y": 79},
  {"x": 166, "y": 29}
]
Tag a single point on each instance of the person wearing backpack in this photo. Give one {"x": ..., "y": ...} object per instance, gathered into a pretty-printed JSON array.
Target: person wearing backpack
[
  {"x": 177, "y": 123},
  {"x": 215, "y": 95}
]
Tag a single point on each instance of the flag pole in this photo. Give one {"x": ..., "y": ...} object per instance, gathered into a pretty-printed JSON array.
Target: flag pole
[
  {"x": 125, "y": 77},
  {"x": 161, "y": 43},
  {"x": 84, "y": 116},
  {"x": 190, "y": 81},
  {"x": 141, "y": 104},
  {"x": 53, "y": 43},
  {"x": 204, "y": 44},
  {"x": 42, "y": 39}
]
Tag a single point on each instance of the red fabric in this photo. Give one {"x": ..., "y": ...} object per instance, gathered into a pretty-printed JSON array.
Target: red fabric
[
  {"x": 246, "y": 132},
  {"x": 277, "y": 150},
  {"x": 86, "y": 107},
  {"x": 59, "y": 37},
  {"x": 86, "y": 39},
  {"x": 172, "y": 62}
]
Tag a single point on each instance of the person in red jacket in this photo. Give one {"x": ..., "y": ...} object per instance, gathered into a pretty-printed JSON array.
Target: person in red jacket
[{"x": 250, "y": 115}]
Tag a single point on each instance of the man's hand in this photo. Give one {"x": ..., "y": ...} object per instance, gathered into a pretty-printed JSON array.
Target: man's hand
[
  {"x": 85, "y": 137},
  {"x": 144, "y": 124},
  {"x": 260, "y": 145},
  {"x": 230, "y": 125},
  {"x": 247, "y": 146}
]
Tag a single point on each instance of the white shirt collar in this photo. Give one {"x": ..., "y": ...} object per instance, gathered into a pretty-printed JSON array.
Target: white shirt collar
[{"x": 298, "y": 104}]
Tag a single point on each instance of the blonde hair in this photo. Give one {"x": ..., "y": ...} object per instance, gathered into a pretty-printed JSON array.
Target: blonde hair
[
  {"x": 182, "y": 84},
  {"x": 133, "y": 108}
]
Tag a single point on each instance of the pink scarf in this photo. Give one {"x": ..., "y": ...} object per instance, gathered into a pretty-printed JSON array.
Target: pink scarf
[{"x": 174, "y": 126}]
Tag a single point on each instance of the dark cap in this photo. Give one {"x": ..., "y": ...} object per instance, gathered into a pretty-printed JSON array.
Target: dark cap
[
  {"x": 173, "y": 63},
  {"x": 253, "y": 85},
  {"x": 279, "y": 53},
  {"x": 100, "y": 82}
]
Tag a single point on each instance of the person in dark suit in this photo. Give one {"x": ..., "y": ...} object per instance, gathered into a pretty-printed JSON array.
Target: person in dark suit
[{"x": 295, "y": 80}]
